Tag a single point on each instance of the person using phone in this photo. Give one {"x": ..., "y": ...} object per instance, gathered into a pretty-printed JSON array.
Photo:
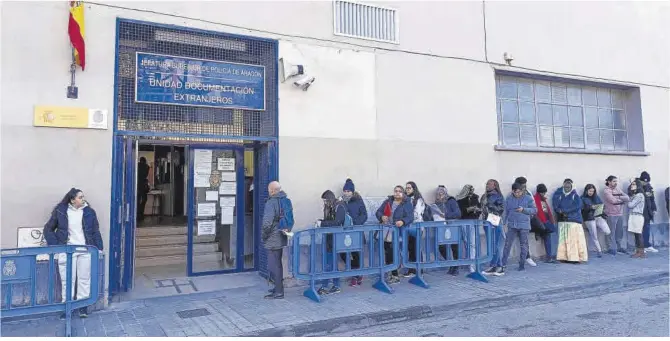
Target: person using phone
[
  {"x": 594, "y": 217},
  {"x": 519, "y": 207}
]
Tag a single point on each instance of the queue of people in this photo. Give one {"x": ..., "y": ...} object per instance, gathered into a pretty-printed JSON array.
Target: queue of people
[{"x": 560, "y": 225}]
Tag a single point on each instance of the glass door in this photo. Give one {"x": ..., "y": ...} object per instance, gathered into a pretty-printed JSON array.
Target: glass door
[{"x": 215, "y": 210}]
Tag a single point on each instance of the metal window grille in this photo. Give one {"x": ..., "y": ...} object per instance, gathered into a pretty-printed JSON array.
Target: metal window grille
[
  {"x": 548, "y": 114},
  {"x": 363, "y": 21},
  {"x": 174, "y": 121}
]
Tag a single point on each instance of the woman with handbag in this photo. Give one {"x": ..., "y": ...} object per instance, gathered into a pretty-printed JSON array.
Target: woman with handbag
[
  {"x": 594, "y": 216},
  {"x": 395, "y": 212}
]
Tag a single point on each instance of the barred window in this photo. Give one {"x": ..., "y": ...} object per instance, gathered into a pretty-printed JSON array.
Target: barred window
[
  {"x": 563, "y": 115},
  {"x": 365, "y": 21}
]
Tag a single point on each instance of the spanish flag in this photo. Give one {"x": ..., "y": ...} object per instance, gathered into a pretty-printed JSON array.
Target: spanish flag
[{"x": 75, "y": 30}]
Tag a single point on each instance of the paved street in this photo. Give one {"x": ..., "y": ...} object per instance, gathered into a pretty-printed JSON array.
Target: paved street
[
  {"x": 639, "y": 313},
  {"x": 592, "y": 299}
]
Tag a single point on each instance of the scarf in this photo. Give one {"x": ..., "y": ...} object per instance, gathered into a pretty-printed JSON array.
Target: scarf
[{"x": 465, "y": 192}]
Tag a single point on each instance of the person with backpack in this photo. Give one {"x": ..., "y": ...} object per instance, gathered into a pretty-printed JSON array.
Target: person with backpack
[
  {"x": 359, "y": 215},
  {"x": 446, "y": 208},
  {"x": 334, "y": 214},
  {"x": 395, "y": 212},
  {"x": 421, "y": 213},
  {"x": 277, "y": 221}
]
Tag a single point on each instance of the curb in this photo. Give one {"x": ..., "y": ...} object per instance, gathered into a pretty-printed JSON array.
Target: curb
[{"x": 361, "y": 321}]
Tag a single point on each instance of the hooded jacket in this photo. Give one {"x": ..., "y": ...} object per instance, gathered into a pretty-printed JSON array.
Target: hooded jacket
[
  {"x": 570, "y": 206},
  {"x": 468, "y": 199},
  {"x": 540, "y": 213},
  {"x": 273, "y": 239},
  {"x": 649, "y": 202},
  {"x": 492, "y": 202},
  {"x": 56, "y": 230},
  {"x": 357, "y": 210},
  {"x": 588, "y": 213},
  {"x": 518, "y": 220}
]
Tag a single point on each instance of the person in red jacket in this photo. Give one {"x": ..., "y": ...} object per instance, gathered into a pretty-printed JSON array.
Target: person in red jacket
[{"x": 545, "y": 216}]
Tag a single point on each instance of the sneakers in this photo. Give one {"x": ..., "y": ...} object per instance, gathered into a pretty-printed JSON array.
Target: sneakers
[
  {"x": 622, "y": 250},
  {"x": 500, "y": 271},
  {"x": 651, "y": 249},
  {"x": 274, "y": 296},
  {"x": 472, "y": 268},
  {"x": 322, "y": 291},
  {"x": 334, "y": 290},
  {"x": 490, "y": 271},
  {"x": 83, "y": 313},
  {"x": 410, "y": 273},
  {"x": 531, "y": 262},
  {"x": 393, "y": 279}
]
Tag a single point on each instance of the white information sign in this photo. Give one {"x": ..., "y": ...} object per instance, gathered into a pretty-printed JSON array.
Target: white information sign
[
  {"x": 227, "y": 201},
  {"x": 207, "y": 209},
  {"x": 201, "y": 180},
  {"x": 202, "y": 163},
  {"x": 228, "y": 188},
  {"x": 226, "y": 164},
  {"x": 206, "y": 227},
  {"x": 228, "y": 176},
  {"x": 227, "y": 215},
  {"x": 211, "y": 195}
]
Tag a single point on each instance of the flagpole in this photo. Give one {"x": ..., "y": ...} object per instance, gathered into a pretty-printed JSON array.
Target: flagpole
[{"x": 72, "y": 91}]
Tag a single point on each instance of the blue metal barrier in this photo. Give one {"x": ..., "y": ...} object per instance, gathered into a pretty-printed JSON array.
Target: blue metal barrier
[
  {"x": 430, "y": 237},
  {"x": 19, "y": 268},
  {"x": 325, "y": 244}
]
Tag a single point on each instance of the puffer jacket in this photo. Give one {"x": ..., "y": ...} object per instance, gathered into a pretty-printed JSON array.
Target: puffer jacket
[
  {"x": 568, "y": 207},
  {"x": 273, "y": 238},
  {"x": 588, "y": 213},
  {"x": 56, "y": 230},
  {"x": 357, "y": 210}
]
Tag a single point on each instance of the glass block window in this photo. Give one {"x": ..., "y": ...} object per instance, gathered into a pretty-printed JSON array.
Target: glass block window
[{"x": 547, "y": 114}]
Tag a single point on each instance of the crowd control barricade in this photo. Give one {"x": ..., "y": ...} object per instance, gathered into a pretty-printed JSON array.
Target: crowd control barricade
[
  {"x": 433, "y": 242},
  {"x": 317, "y": 255},
  {"x": 20, "y": 269}
]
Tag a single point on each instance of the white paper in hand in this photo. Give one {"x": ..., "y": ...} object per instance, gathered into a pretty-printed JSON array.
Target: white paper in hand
[{"x": 493, "y": 219}]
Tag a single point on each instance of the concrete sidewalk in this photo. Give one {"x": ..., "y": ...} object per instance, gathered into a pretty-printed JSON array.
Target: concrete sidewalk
[{"x": 243, "y": 311}]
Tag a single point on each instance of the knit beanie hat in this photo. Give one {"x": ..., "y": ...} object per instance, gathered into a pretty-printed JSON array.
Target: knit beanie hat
[
  {"x": 349, "y": 186},
  {"x": 645, "y": 176}
]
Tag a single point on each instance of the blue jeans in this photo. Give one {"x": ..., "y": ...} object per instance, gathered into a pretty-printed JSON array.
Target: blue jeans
[
  {"x": 498, "y": 246},
  {"x": 512, "y": 234},
  {"x": 330, "y": 260}
]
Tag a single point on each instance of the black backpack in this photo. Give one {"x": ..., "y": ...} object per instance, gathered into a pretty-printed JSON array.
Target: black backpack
[{"x": 427, "y": 213}]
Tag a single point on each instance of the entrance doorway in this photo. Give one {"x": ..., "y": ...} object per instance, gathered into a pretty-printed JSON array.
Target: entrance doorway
[{"x": 188, "y": 209}]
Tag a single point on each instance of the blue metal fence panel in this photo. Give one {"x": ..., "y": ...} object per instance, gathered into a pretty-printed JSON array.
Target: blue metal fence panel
[
  {"x": 322, "y": 247},
  {"x": 23, "y": 267},
  {"x": 432, "y": 243}
]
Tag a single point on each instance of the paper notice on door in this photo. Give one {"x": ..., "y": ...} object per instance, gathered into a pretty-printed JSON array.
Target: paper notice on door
[
  {"x": 228, "y": 188},
  {"x": 206, "y": 227},
  {"x": 227, "y": 215},
  {"x": 207, "y": 209},
  {"x": 228, "y": 176},
  {"x": 226, "y": 164},
  {"x": 202, "y": 163},
  {"x": 201, "y": 180},
  {"x": 227, "y": 201},
  {"x": 211, "y": 195}
]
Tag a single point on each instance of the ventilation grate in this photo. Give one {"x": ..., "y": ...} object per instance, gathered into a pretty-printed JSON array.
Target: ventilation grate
[
  {"x": 186, "y": 314},
  {"x": 363, "y": 21}
]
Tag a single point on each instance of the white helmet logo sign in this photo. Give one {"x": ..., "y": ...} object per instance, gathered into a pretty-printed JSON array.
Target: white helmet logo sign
[{"x": 447, "y": 233}]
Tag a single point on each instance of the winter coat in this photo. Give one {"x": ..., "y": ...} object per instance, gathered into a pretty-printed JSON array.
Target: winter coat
[
  {"x": 540, "y": 213},
  {"x": 636, "y": 204},
  {"x": 588, "y": 213},
  {"x": 339, "y": 217},
  {"x": 495, "y": 204},
  {"x": 449, "y": 208},
  {"x": 649, "y": 202},
  {"x": 404, "y": 211},
  {"x": 273, "y": 238},
  {"x": 357, "y": 210},
  {"x": 614, "y": 201},
  {"x": 568, "y": 207},
  {"x": 470, "y": 201},
  {"x": 56, "y": 230},
  {"x": 518, "y": 220},
  {"x": 418, "y": 210}
]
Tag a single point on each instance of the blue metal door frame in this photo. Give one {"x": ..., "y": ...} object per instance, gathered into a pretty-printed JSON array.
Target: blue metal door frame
[
  {"x": 239, "y": 208},
  {"x": 264, "y": 143}
]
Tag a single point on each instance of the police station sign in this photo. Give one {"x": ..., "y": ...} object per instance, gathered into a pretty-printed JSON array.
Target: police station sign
[{"x": 163, "y": 79}]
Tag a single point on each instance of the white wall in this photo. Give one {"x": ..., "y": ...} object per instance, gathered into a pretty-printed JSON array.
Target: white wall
[{"x": 379, "y": 113}]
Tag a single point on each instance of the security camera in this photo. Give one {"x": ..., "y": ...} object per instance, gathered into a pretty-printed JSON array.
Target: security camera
[
  {"x": 508, "y": 58},
  {"x": 304, "y": 83}
]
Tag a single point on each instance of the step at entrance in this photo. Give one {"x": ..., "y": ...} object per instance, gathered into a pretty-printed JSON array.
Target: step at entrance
[{"x": 167, "y": 245}]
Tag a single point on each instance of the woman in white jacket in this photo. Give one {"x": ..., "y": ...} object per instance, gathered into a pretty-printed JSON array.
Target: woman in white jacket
[
  {"x": 635, "y": 216},
  {"x": 419, "y": 205}
]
